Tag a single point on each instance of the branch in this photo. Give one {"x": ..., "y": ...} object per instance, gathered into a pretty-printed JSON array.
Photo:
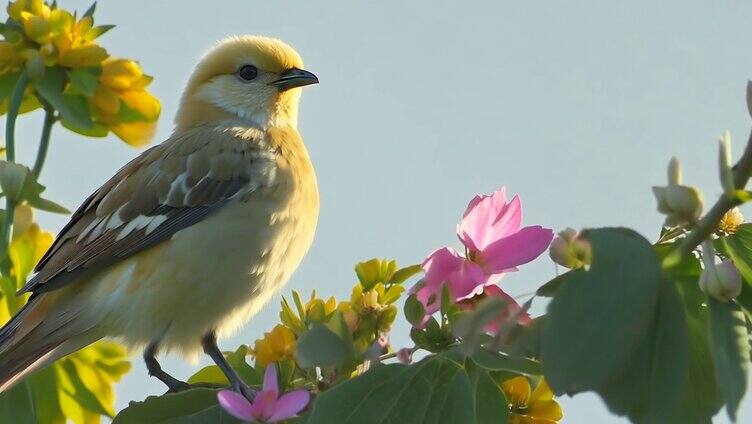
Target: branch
[{"x": 707, "y": 225}]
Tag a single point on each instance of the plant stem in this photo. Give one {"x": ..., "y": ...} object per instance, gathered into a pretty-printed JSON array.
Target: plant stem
[
  {"x": 44, "y": 141},
  {"x": 14, "y": 106},
  {"x": 707, "y": 225}
]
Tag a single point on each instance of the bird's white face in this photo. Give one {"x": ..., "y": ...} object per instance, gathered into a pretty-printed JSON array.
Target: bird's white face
[{"x": 256, "y": 79}]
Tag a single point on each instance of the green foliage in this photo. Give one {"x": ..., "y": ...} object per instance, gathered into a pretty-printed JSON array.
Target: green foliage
[
  {"x": 442, "y": 388},
  {"x": 321, "y": 347},
  {"x": 580, "y": 349},
  {"x": 197, "y": 406},
  {"x": 213, "y": 375},
  {"x": 731, "y": 351}
]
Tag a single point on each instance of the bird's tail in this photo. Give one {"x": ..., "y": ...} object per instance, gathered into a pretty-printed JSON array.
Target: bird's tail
[{"x": 40, "y": 333}]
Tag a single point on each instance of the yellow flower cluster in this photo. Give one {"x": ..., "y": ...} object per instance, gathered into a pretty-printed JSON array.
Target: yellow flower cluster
[
  {"x": 61, "y": 39},
  {"x": 122, "y": 104},
  {"x": 40, "y": 37},
  {"x": 368, "y": 313},
  {"x": 277, "y": 345},
  {"x": 529, "y": 406}
]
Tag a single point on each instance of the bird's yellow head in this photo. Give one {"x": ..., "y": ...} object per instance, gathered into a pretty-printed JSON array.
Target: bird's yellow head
[{"x": 250, "y": 78}]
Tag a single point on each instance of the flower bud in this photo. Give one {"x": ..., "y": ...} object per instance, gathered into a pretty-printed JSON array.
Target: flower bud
[
  {"x": 13, "y": 179},
  {"x": 680, "y": 204},
  {"x": 722, "y": 281},
  {"x": 674, "y": 172},
  {"x": 570, "y": 251},
  {"x": 731, "y": 221},
  {"x": 724, "y": 164}
]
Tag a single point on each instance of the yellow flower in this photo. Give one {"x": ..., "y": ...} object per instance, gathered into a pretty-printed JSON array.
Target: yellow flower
[
  {"x": 318, "y": 310},
  {"x": 276, "y": 345},
  {"x": 731, "y": 221},
  {"x": 122, "y": 104},
  {"x": 538, "y": 407},
  {"x": 60, "y": 39},
  {"x": 350, "y": 316}
]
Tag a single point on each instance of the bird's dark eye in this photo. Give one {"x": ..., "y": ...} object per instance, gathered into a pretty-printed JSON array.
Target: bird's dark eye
[{"x": 248, "y": 72}]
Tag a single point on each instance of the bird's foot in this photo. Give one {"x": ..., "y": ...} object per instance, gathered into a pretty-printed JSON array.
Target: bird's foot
[
  {"x": 244, "y": 390},
  {"x": 177, "y": 386}
]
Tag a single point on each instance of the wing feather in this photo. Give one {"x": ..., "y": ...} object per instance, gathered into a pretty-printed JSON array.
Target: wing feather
[{"x": 166, "y": 189}]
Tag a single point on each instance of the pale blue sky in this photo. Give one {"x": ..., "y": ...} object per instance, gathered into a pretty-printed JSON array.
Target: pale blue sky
[{"x": 577, "y": 106}]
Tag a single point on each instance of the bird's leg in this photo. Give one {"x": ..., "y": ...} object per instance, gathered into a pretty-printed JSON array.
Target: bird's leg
[
  {"x": 155, "y": 370},
  {"x": 209, "y": 343}
]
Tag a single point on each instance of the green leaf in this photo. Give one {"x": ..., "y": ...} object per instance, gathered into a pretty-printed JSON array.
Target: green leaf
[
  {"x": 601, "y": 316},
  {"x": 82, "y": 394},
  {"x": 702, "y": 397},
  {"x": 495, "y": 361},
  {"x": 90, "y": 11},
  {"x": 16, "y": 405},
  {"x": 84, "y": 80},
  {"x": 650, "y": 388},
  {"x": 739, "y": 248},
  {"x": 414, "y": 311},
  {"x": 96, "y": 130},
  {"x": 7, "y": 84},
  {"x": 549, "y": 289},
  {"x": 213, "y": 375},
  {"x": 192, "y": 406},
  {"x": 72, "y": 108},
  {"x": 491, "y": 406},
  {"x": 320, "y": 346},
  {"x": 404, "y": 274},
  {"x": 43, "y": 204},
  {"x": 437, "y": 389},
  {"x": 730, "y": 349}
]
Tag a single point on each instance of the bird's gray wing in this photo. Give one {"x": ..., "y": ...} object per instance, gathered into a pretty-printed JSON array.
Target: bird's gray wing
[{"x": 167, "y": 188}]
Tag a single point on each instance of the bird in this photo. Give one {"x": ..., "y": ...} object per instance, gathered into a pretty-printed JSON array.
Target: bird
[{"x": 187, "y": 241}]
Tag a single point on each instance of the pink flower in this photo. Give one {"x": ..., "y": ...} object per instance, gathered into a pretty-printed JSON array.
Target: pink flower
[
  {"x": 268, "y": 406},
  {"x": 513, "y": 308},
  {"x": 494, "y": 244}
]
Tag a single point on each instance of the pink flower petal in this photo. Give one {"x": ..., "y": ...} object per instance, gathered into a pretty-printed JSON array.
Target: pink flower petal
[
  {"x": 236, "y": 404},
  {"x": 270, "y": 379},
  {"x": 488, "y": 219},
  {"x": 516, "y": 249},
  {"x": 289, "y": 405},
  {"x": 264, "y": 405},
  {"x": 512, "y": 308},
  {"x": 445, "y": 265}
]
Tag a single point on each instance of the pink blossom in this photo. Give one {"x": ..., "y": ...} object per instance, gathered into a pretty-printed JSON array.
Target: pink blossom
[
  {"x": 513, "y": 308},
  {"x": 494, "y": 244},
  {"x": 268, "y": 406}
]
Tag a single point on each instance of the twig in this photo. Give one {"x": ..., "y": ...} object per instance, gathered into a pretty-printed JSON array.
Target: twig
[{"x": 707, "y": 225}]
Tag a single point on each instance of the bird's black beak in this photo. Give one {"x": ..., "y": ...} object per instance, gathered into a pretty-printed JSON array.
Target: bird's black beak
[{"x": 295, "y": 78}]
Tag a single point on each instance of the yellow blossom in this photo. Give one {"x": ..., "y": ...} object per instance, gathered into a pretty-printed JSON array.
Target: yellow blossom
[
  {"x": 538, "y": 407},
  {"x": 122, "y": 104},
  {"x": 276, "y": 345},
  {"x": 60, "y": 38},
  {"x": 731, "y": 221}
]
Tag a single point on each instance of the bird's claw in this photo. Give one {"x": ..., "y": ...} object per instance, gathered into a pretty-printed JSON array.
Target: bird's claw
[
  {"x": 244, "y": 390},
  {"x": 178, "y": 386}
]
